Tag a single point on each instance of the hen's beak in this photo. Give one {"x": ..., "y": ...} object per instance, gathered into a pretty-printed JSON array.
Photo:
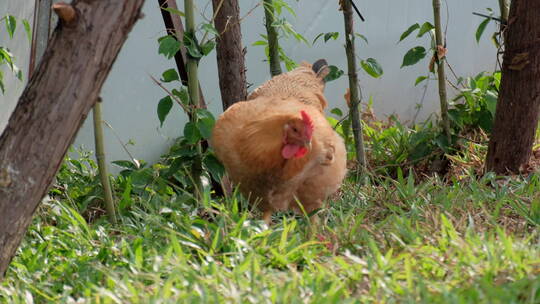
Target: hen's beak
[{"x": 307, "y": 144}]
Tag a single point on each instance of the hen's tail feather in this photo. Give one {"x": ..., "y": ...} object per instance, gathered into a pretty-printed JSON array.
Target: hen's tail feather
[{"x": 320, "y": 67}]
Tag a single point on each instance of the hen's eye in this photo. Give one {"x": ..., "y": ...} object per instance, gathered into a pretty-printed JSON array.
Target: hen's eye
[{"x": 295, "y": 129}]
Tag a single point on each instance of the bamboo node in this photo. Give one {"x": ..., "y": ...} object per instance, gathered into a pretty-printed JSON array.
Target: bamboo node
[
  {"x": 66, "y": 12},
  {"x": 439, "y": 54}
]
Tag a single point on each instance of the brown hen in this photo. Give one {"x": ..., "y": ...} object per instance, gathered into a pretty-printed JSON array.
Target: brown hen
[{"x": 279, "y": 149}]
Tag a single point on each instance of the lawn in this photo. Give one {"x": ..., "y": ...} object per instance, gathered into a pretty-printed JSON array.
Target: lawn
[{"x": 467, "y": 240}]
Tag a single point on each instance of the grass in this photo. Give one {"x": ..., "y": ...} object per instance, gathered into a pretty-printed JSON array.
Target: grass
[{"x": 388, "y": 241}]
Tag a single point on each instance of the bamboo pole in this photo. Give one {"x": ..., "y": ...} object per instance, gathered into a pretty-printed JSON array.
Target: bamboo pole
[
  {"x": 193, "y": 90},
  {"x": 175, "y": 28},
  {"x": 439, "y": 59},
  {"x": 273, "y": 43},
  {"x": 102, "y": 163},
  {"x": 354, "y": 91}
]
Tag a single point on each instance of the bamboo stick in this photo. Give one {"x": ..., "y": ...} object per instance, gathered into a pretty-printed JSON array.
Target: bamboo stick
[
  {"x": 273, "y": 43},
  {"x": 193, "y": 90},
  {"x": 353, "y": 85},
  {"x": 102, "y": 163},
  {"x": 440, "y": 46}
]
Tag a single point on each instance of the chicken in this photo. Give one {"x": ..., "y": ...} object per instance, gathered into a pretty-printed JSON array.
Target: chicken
[
  {"x": 305, "y": 83},
  {"x": 279, "y": 148}
]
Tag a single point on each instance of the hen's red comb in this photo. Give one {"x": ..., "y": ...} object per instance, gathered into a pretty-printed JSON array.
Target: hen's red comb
[{"x": 308, "y": 122}]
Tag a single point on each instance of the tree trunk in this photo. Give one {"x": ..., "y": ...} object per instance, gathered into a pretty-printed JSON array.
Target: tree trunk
[
  {"x": 273, "y": 42},
  {"x": 516, "y": 117},
  {"x": 441, "y": 75},
  {"x": 353, "y": 84},
  {"x": 230, "y": 54},
  {"x": 53, "y": 106}
]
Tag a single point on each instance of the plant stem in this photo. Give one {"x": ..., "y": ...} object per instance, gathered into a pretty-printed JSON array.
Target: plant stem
[
  {"x": 353, "y": 85},
  {"x": 440, "y": 69},
  {"x": 193, "y": 89},
  {"x": 102, "y": 163},
  {"x": 273, "y": 43}
]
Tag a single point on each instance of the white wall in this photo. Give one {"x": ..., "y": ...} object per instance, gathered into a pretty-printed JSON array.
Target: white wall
[
  {"x": 20, "y": 47},
  {"x": 131, "y": 97}
]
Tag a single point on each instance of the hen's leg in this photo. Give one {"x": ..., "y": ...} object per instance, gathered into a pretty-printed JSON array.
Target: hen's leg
[
  {"x": 267, "y": 217},
  {"x": 315, "y": 220},
  {"x": 227, "y": 186}
]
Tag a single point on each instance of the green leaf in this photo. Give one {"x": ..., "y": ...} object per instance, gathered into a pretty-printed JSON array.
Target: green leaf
[
  {"x": 173, "y": 11},
  {"x": 362, "y": 37},
  {"x": 27, "y": 29},
  {"x": 413, "y": 56},
  {"x": 260, "y": 42},
  {"x": 481, "y": 28},
  {"x": 485, "y": 120},
  {"x": 163, "y": 109},
  {"x": 18, "y": 73},
  {"x": 491, "y": 102},
  {"x": 192, "y": 47},
  {"x": 420, "y": 79},
  {"x": 331, "y": 35},
  {"x": 2, "y": 87},
  {"x": 442, "y": 142},
  {"x": 411, "y": 29},
  {"x": 212, "y": 164},
  {"x": 7, "y": 57},
  {"x": 208, "y": 47},
  {"x": 168, "y": 46},
  {"x": 205, "y": 127},
  {"x": 207, "y": 27},
  {"x": 191, "y": 133},
  {"x": 337, "y": 112},
  {"x": 205, "y": 123},
  {"x": 185, "y": 151},
  {"x": 182, "y": 94},
  {"x": 372, "y": 67},
  {"x": 334, "y": 73},
  {"x": 142, "y": 177},
  {"x": 125, "y": 164},
  {"x": 11, "y": 25},
  {"x": 170, "y": 75},
  {"x": 426, "y": 27},
  {"x": 314, "y": 40},
  {"x": 203, "y": 113}
]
